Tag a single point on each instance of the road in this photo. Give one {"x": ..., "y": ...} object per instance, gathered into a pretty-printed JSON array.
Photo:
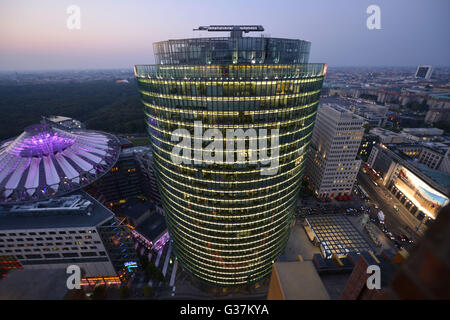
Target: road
[{"x": 396, "y": 221}]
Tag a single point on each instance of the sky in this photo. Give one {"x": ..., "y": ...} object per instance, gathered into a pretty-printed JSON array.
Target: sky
[{"x": 119, "y": 33}]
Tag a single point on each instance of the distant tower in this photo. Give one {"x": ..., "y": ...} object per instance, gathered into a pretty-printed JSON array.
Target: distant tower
[{"x": 424, "y": 72}]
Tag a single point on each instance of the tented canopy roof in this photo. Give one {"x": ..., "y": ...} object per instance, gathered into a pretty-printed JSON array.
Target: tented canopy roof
[{"x": 45, "y": 161}]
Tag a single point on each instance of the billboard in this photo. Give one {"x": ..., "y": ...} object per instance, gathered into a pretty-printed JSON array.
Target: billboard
[{"x": 424, "y": 197}]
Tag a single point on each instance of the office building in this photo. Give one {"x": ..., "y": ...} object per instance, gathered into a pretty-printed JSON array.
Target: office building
[
  {"x": 439, "y": 110},
  {"x": 68, "y": 230},
  {"x": 227, "y": 221},
  {"x": 387, "y": 136},
  {"x": 296, "y": 280},
  {"x": 146, "y": 159},
  {"x": 332, "y": 165},
  {"x": 423, "y": 191},
  {"x": 424, "y": 72},
  {"x": 423, "y": 132},
  {"x": 367, "y": 143},
  {"x": 128, "y": 178}
]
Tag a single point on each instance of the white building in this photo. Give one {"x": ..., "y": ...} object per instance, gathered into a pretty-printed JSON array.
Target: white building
[
  {"x": 332, "y": 165},
  {"x": 424, "y": 72},
  {"x": 422, "y": 132},
  {"x": 388, "y": 137}
]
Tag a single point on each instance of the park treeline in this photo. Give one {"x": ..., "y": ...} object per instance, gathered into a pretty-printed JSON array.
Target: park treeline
[{"x": 101, "y": 104}]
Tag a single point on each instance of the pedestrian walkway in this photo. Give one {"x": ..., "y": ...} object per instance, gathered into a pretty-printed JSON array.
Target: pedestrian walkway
[
  {"x": 174, "y": 272},
  {"x": 158, "y": 258},
  {"x": 166, "y": 262}
]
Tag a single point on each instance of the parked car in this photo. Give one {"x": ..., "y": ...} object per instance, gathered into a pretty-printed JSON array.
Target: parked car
[
  {"x": 398, "y": 244},
  {"x": 404, "y": 238}
]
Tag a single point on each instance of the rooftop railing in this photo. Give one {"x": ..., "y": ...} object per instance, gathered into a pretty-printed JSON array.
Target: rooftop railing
[{"x": 231, "y": 72}]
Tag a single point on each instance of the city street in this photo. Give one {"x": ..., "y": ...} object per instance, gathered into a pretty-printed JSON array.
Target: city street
[
  {"x": 167, "y": 264},
  {"x": 396, "y": 221}
]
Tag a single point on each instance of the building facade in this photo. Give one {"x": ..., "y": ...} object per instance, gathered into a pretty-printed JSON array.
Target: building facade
[
  {"x": 424, "y": 72},
  {"x": 229, "y": 223},
  {"x": 422, "y": 190},
  {"x": 367, "y": 143},
  {"x": 332, "y": 165},
  {"x": 69, "y": 230},
  {"x": 128, "y": 178}
]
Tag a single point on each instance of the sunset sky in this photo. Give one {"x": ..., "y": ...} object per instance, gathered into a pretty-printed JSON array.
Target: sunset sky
[{"x": 120, "y": 33}]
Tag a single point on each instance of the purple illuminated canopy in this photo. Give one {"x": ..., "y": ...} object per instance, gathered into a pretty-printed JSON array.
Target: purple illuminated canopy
[{"x": 45, "y": 161}]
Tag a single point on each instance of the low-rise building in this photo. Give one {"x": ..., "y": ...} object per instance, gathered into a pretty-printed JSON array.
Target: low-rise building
[
  {"x": 296, "y": 280},
  {"x": 69, "y": 230},
  {"x": 64, "y": 122},
  {"x": 388, "y": 137}
]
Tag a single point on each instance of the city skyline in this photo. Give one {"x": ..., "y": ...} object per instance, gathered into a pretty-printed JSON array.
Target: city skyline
[
  {"x": 118, "y": 35},
  {"x": 228, "y": 153}
]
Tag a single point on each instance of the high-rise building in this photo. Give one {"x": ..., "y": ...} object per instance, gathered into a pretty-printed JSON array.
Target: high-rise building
[
  {"x": 424, "y": 72},
  {"x": 332, "y": 164},
  {"x": 227, "y": 221}
]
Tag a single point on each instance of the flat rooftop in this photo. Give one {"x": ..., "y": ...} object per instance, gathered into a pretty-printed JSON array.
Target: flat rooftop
[
  {"x": 440, "y": 177},
  {"x": 153, "y": 226},
  {"x": 133, "y": 150},
  {"x": 76, "y": 210},
  {"x": 300, "y": 281},
  {"x": 34, "y": 284},
  {"x": 340, "y": 111}
]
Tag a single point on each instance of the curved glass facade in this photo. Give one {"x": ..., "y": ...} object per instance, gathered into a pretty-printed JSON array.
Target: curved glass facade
[
  {"x": 232, "y": 50},
  {"x": 228, "y": 222}
]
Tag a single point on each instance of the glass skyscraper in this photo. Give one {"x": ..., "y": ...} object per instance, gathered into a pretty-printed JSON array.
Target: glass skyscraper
[{"x": 228, "y": 222}]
